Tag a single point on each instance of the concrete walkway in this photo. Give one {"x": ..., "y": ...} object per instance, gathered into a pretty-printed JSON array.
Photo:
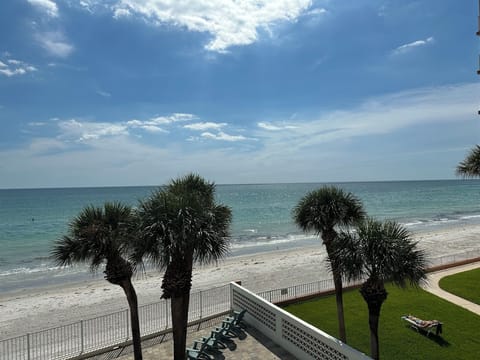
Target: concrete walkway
[{"x": 434, "y": 278}]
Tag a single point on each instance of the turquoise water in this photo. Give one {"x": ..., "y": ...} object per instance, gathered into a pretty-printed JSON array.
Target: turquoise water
[{"x": 31, "y": 219}]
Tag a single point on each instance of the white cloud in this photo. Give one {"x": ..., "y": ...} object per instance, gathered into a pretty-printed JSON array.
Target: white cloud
[
  {"x": 316, "y": 11},
  {"x": 74, "y": 130},
  {"x": 83, "y": 131},
  {"x": 407, "y": 47},
  {"x": 47, "y": 6},
  {"x": 223, "y": 136},
  {"x": 55, "y": 43},
  {"x": 229, "y": 22},
  {"x": 152, "y": 129},
  {"x": 119, "y": 13},
  {"x": 14, "y": 67},
  {"x": 165, "y": 120},
  {"x": 271, "y": 127},
  {"x": 202, "y": 126}
]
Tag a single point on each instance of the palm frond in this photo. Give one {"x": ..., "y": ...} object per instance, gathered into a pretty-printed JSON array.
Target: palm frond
[
  {"x": 182, "y": 221},
  {"x": 470, "y": 166},
  {"x": 327, "y": 207},
  {"x": 389, "y": 253},
  {"x": 95, "y": 235}
]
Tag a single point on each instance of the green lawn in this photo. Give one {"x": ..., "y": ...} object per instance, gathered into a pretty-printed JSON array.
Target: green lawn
[
  {"x": 465, "y": 285},
  {"x": 461, "y": 329}
]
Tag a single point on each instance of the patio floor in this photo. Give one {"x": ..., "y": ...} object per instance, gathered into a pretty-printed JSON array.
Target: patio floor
[{"x": 250, "y": 345}]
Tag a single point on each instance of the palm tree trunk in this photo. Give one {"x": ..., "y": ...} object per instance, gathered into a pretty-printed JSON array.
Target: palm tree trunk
[
  {"x": 328, "y": 238},
  {"x": 374, "y": 295},
  {"x": 135, "y": 324},
  {"x": 179, "y": 325},
  {"x": 337, "y": 280}
]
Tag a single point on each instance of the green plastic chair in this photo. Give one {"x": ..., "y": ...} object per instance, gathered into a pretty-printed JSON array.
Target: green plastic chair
[{"x": 200, "y": 353}]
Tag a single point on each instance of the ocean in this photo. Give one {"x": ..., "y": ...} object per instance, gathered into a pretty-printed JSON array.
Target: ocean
[{"x": 31, "y": 219}]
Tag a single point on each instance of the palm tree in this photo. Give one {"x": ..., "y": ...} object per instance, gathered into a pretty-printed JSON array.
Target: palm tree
[
  {"x": 470, "y": 167},
  {"x": 379, "y": 252},
  {"x": 321, "y": 211},
  {"x": 181, "y": 224},
  {"x": 101, "y": 235}
]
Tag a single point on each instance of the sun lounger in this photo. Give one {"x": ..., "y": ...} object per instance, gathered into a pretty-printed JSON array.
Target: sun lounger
[
  {"x": 232, "y": 326},
  {"x": 228, "y": 330},
  {"x": 236, "y": 319},
  {"x": 214, "y": 342},
  {"x": 426, "y": 325}
]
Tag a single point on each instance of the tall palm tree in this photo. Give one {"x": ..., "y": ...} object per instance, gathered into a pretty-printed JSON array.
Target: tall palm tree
[
  {"x": 322, "y": 211},
  {"x": 379, "y": 252},
  {"x": 101, "y": 235},
  {"x": 470, "y": 167},
  {"x": 182, "y": 224}
]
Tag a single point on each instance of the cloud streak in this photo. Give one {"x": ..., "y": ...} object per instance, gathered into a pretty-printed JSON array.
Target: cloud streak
[
  {"x": 410, "y": 46},
  {"x": 271, "y": 127},
  {"x": 202, "y": 126},
  {"x": 221, "y": 136},
  {"x": 378, "y": 116}
]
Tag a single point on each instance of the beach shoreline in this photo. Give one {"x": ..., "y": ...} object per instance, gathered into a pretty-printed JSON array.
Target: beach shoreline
[{"x": 35, "y": 309}]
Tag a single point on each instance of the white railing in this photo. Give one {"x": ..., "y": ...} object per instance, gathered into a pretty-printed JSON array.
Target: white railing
[
  {"x": 299, "y": 291},
  {"x": 301, "y": 339},
  {"x": 89, "y": 335},
  {"x": 455, "y": 258},
  {"x": 106, "y": 331}
]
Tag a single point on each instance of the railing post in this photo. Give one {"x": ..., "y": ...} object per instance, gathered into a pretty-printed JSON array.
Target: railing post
[
  {"x": 28, "y": 346},
  {"x": 201, "y": 304},
  {"x": 82, "y": 342},
  {"x": 128, "y": 323},
  {"x": 166, "y": 313}
]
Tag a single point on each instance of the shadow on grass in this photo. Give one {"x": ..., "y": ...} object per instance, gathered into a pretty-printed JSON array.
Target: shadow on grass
[{"x": 435, "y": 338}]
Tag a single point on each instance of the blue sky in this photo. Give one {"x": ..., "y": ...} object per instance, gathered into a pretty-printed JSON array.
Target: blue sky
[{"x": 136, "y": 92}]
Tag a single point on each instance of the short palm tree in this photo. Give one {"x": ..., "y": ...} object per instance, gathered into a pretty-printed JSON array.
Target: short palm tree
[
  {"x": 182, "y": 224},
  {"x": 380, "y": 252},
  {"x": 101, "y": 235},
  {"x": 470, "y": 167},
  {"x": 322, "y": 211}
]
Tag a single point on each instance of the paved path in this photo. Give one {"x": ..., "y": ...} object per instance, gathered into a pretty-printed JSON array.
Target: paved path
[{"x": 434, "y": 278}]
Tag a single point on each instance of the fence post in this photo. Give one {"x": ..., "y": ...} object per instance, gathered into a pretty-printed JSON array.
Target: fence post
[
  {"x": 82, "y": 343},
  {"x": 201, "y": 305},
  {"x": 28, "y": 346}
]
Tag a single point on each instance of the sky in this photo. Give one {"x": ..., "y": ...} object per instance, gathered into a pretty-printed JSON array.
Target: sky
[{"x": 137, "y": 92}]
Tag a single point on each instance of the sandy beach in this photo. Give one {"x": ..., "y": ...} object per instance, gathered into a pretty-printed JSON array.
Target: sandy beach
[{"x": 37, "y": 309}]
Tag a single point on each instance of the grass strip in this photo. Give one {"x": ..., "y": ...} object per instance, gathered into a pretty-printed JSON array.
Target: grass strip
[
  {"x": 459, "y": 340},
  {"x": 464, "y": 284}
]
